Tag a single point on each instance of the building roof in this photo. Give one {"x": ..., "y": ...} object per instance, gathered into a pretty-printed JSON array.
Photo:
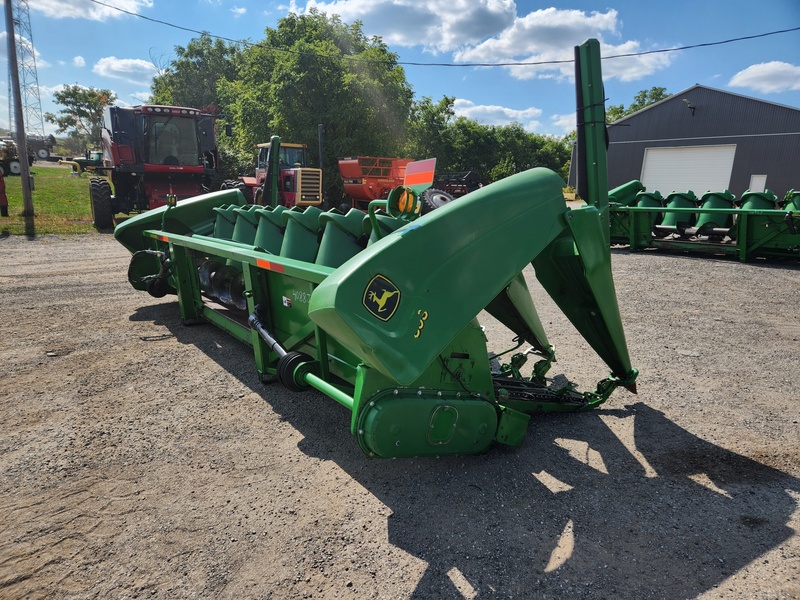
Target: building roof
[{"x": 698, "y": 86}]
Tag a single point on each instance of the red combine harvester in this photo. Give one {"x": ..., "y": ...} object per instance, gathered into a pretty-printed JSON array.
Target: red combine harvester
[{"x": 151, "y": 154}]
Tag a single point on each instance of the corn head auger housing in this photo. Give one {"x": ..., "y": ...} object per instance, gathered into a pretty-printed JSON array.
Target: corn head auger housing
[{"x": 379, "y": 311}]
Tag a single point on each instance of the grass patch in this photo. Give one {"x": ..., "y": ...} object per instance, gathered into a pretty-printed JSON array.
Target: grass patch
[{"x": 60, "y": 203}]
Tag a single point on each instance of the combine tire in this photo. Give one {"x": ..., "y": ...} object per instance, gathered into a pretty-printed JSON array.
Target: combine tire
[
  {"x": 433, "y": 199},
  {"x": 100, "y": 199},
  {"x": 237, "y": 184}
]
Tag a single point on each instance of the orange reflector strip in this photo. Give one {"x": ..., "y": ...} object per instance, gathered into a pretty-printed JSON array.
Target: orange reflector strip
[
  {"x": 162, "y": 238},
  {"x": 418, "y": 178},
  {"x": 270, "y": 266}
]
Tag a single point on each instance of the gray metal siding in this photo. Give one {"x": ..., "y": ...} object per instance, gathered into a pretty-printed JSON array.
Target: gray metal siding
[{"x": 767, "y": 136}]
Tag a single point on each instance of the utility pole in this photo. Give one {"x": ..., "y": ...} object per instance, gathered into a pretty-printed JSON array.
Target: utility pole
[{"x": 22, "y": 145}]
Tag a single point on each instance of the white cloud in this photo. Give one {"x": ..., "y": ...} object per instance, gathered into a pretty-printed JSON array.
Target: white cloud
[
  {"x": 132, "y": 70},
  {"x": 78, "y": 61},
  {"x": 141, "y": 96},
  {"x": 488, "y": 114},
  {"x": 46, "y": 92},
  {"x": 85, "y": 9},
  {"x": 550, "y": 35},
  {"x": 25, "y": 50},
  {"x": 768, "y": 78},
  {"x": 564, "y": 123},
  {"x": 238, "y": 11},
  {"x": 491, "y": 32},
  {"x": 438, "y": 25}
]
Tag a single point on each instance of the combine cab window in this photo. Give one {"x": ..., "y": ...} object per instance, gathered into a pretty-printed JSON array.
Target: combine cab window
[{"x": 171, "y": 140}]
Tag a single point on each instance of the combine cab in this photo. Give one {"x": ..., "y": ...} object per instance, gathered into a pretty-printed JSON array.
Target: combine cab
[
  {"x": 152, "y": 154},
  {"x": 296, "y": 183},
  {"x": 379, "y": 311}
]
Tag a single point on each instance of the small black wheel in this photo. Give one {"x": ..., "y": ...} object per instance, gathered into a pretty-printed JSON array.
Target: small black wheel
[
  {"x": 100, "y": 199},
  {"x": 43, "y": 153},
  {"x": 15, "y": 167},
  {"x": 287, "y": 366},
  {"x": 433, "y": 199},
  {"x": 4, "y": 169}
]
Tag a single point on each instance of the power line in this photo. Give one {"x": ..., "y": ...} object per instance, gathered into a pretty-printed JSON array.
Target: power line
[{"x": 461, "y": 65}]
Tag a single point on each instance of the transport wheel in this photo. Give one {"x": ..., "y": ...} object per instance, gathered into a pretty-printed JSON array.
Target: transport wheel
[
  {"x": 287, "y": 366},
  {"x": 100, "y": 199},
  {"x": 14, "y": 167},
  {"x": 43, "y": 153},
  {"x": 4, "y": 169},
  {"x": 433, "y": 199}
]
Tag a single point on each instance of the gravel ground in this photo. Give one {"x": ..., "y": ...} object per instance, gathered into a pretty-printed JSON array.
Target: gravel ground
[{"x": 143, "y": 459}]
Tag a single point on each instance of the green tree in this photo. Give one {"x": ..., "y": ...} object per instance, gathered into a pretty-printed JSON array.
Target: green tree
[
  {"x": 314, "y": 69},
  {"x": 192, "y": 78},
  {"x": 643, "y": 99},
  {"x": 428, "y": 131},
  {"x": 82, "y": 115}
]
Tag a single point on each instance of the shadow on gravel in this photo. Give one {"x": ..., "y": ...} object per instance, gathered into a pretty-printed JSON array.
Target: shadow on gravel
[
  {"x": 576, "y": 512},
  {"x": 773, "y": 262}
]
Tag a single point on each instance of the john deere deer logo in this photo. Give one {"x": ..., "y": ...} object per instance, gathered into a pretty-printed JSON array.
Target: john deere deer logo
[{"x": 381, "y": 298}]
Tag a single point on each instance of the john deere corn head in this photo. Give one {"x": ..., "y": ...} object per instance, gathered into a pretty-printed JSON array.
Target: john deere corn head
[
  {"x": 379, "y": 311},
  {"x": 757, "y": 225}
]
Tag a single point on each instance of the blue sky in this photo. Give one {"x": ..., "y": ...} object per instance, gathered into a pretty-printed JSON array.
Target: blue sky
[{"x": 85, "y": 42}]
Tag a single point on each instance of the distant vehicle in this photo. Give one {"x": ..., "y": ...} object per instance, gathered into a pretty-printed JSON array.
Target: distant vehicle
[
  {"x": 368, "y": 178},
  {"x": 92, "y": 160},
  {"x": 298, "y": 184},
  {"x": 151, "y": 153},
  {"x": 41, "y": 146},
  {"x": 9, "y": 158}
]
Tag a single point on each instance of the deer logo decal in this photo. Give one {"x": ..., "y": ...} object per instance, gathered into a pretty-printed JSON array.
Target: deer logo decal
[{"x": 381, "y": 298}]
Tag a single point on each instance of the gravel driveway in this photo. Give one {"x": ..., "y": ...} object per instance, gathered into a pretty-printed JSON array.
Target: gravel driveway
[{"x": 143, "y": 459}]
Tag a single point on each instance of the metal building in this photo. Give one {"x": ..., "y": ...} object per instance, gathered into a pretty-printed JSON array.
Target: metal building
[{"x": 704, "y": 139}]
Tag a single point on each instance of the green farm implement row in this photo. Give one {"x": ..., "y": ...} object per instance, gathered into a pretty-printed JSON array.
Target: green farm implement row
[
  {"x": 756, "y": 225},
  {"x": 379, "y": 311}
]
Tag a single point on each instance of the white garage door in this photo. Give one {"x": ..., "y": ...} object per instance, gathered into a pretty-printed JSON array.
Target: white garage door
[{"x": 696, "y": 168}]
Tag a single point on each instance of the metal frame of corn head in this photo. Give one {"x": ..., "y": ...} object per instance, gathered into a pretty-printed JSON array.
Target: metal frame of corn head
[
  {"x": 379, "y": 312},
  {"x": 716, "y": 223}
]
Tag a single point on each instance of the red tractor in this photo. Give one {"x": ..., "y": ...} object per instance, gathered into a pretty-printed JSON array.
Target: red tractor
[
  {"x": 295, "y": 183},
  {"x": 151, "y": 152}
]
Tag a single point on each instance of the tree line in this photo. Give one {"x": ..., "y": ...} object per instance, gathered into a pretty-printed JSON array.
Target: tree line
[{"x": 315, "y": 69}]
